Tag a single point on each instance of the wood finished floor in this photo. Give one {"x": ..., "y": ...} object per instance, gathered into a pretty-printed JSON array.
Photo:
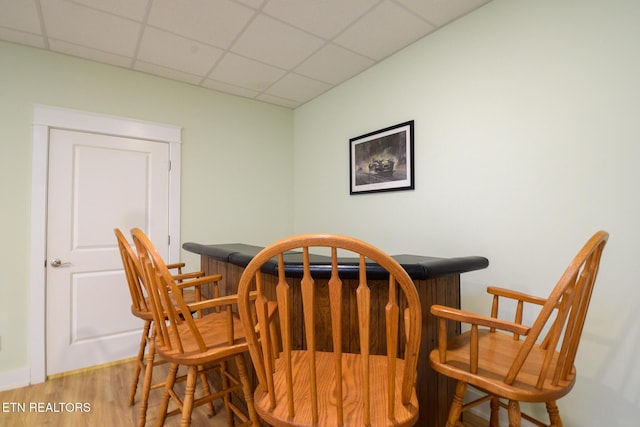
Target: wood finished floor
[{"x": 106, "y": 391}]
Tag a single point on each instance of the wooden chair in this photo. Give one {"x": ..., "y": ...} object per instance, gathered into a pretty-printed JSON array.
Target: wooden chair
[
  {"x": 140, "y": 307},
  {"x": 512, "y": 361},
  {"x": 306, "y": 387},
  {"x": 195, "y": 342}
]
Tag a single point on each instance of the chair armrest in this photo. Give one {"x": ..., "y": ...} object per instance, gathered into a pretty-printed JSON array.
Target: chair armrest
[
  {"x": 218, "y": 302},
  {"x": 447, "y": 313},
  {"x": 508, "y": 293},
  {"x": 478, "y": 319},
  {"x": 214, "y": 302},
  {"x": 187, "y": 276},
  {"x": 176, "y": 265},
  {"x": 200, "y": 281}
]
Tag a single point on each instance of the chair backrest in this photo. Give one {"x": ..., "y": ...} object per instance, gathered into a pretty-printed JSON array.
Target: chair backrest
[
  {"x": 402, "y": 329},
  {"x": 133, "y": 274},
  {"x": 562, "y": 316},
  {"x": 167, "y": 304}
]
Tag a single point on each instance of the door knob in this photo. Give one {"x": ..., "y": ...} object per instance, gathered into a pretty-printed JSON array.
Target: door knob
[{"x": 57, "y": 263}]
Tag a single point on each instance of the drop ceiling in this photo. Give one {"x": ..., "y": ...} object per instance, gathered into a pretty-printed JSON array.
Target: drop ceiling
[{"x": 284, "y": 52}]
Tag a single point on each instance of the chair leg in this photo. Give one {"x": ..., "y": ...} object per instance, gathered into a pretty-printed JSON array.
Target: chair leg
[
  {"x": 166, "y": 396},
  {"x": 456, "y": 405},
  {"x": 224, "y": 379},
  {"x": 206, "y": 389},
  {"x": 246, "y": 388},
  {"x": 139, "y": 361},
  {"x": 494, "y": 420},
  {"x": 190, "y": 388},
  {"x": 515, "y": 416},
  {"x": 554, "y": 414},
  {"x": 146, "y": 381}
]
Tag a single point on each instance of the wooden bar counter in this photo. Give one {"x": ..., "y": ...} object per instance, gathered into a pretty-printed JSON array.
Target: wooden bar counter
[{"x": 437, "y": 281}]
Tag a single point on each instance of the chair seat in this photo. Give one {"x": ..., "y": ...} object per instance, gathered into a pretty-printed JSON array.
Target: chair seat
[
  {"x": 352, "y": 389},
  {"x": 498, "y": 351},
  {"x": 213, "y": 328}
]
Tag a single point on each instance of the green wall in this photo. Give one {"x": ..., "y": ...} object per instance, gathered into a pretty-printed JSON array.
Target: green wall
[
  {"x": 527, "y": 141},
  {"x": 236, "y": 161}
]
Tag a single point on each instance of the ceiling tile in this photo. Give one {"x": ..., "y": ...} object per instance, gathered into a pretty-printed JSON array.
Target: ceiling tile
[
  {"x": 277, "y": 100},
  {"x": 227, "y": 88},
  {"x": 391, "y": 26},
  {"x": 280, "y": 51},
  {"x": 247, "y": 73},
  {"x": 21, "y": 38},
  {"x": 88, "y": 53},
  {"x": 216, "y": 22},
  {"x": 169, "y": 73},
  {"x": 87, "y": 27},
  {"x": 252, "y": 3},
  {"x": 440, "y": 12},
  {"x": 324, "y": 18},
  {"x": 20, "y": 15},
  {"x": 132, "y": 9},
  {"x": 298, "y": 88},
  {"x": 275, "y": 43},
  {"x": 171, "y": 51},
  {"x": 333, "y": 64}
]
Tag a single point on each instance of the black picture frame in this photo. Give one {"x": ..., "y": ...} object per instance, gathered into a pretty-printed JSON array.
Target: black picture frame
[{"x": 382, "y": 160}]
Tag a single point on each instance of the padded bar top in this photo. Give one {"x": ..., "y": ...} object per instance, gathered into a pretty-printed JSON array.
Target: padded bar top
[{"x": 418, "y": 266}]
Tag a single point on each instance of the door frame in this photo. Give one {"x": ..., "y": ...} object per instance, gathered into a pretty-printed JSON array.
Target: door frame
[{"x": 44, "y": 118}]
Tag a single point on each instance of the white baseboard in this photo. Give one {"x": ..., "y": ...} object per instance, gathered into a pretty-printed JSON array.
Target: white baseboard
[
  {"x": 14, "y": 379},
  {"x": 484, "y": 411}
]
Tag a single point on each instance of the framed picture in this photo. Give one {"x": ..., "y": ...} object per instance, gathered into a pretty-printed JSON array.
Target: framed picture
[{"x": 382, "y": 160}]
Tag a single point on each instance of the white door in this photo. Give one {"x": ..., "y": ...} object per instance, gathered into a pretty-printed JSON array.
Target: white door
[{"x": 95, "y": 183}]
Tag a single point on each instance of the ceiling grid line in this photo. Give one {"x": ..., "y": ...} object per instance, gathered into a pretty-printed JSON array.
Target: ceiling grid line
[{"x": 141, "y": 33}]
